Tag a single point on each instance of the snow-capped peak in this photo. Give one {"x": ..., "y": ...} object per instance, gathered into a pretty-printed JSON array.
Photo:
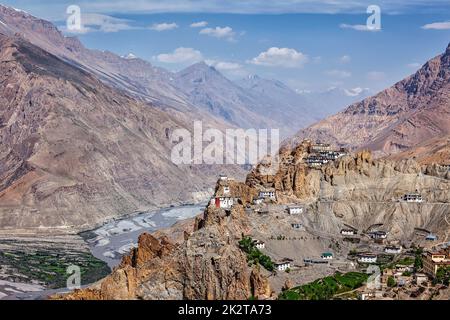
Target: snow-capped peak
[{"x": 130, "y": 56}]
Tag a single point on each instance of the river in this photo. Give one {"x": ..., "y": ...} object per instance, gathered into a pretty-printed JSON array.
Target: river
[{"x": 111, "y": 241}]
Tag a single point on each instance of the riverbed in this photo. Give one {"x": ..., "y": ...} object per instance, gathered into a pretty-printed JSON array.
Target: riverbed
[
  {"x": 107, "y": 243},
  {"x": 111, "y": 241}
]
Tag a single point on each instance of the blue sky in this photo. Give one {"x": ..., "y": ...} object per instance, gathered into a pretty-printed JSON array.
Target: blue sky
[{"x": 310, "y": 45}]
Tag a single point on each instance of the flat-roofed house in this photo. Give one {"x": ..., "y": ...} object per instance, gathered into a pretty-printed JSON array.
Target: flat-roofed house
[
  {"x": 259, "y": 244},
  {"x": 224, "y": 202},
  {"x": 320, "y": 147},
  {"x": 367, "y": 258},
  {"x": 349, "y": 232},
  {"x": 268, "y": 194},
  {"x": 283, "y": 265},
  {"x": 295, "y": 210},
  {"x": 433, "y": 260},
  {"x": 393, "y": 249},
  {"x": 327, "y": 256},
  {"x": 412, "y": 197}
]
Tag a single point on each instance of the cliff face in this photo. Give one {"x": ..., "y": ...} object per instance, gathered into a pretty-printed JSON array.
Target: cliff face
[
  {"x": 414, "y": 110},
  {"x": 207, "y": 265}
]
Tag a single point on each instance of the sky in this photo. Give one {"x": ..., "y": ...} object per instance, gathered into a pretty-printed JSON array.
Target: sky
[{"x": 309, "y": 45}]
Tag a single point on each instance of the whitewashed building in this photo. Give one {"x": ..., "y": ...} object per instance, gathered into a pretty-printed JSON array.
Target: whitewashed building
[
  {"x": 412, "y": 197},
  {"x": 268, "y": 194},
  {"x": 283, "y": 265},
  {"x": 327, "y": 256},
  {"x": 295, "y": 210},
  {"x": 226, "y": 190},
  {"x": 367, "y": 258},
  {"x": 259, "y": 244},
  {"x": 223, "y": 202},
  {"x": 349, "y": 232},
  {"x": 393, "y": 249}
]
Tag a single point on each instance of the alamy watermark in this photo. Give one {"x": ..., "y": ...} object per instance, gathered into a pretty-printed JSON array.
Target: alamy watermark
[
  {"x": 234, "y": 146},
  {"x": 374, "y": 20},
  {"x": 73, "y": 22},
  {"x": 74, "y": 280}
]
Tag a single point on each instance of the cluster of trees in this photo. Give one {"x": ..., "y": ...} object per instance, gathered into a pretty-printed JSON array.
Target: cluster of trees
[
  {"x": 254, "y": 255},
  {"x": 442, "y": 276},
  {"x": 325, "y": 288}
]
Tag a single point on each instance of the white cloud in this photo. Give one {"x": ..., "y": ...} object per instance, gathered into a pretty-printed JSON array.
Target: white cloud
[
  {"x": 164, "y": 26},
  {"x": 280, "y": 57},
  {"x": 219, "y": 32},
  {"x": 445, "y": 25},
  {"x": 94, "y": 22},
  {"x": 339, "y": 73},
  {"x": 233, "y": 69},
  {"x": 345, "y": 59},
  {"x": 414, "y": 65},
  {"x": 224, "y": 65},
  {"x": 200, "y": 24},
  {"x": 376, "y": 75},
  {"x": 357, "y": 27},
  {"x": 180, "y": 55},
  {"x": 354, "y": 92}
]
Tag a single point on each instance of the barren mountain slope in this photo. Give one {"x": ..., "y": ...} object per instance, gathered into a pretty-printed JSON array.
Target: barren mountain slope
[
  {"x": 75, "y": 152},
  {"x": 435, "y": 150},
  {"x": 412, "y": 111}
]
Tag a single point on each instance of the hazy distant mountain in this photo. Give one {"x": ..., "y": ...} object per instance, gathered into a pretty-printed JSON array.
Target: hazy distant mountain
[
  {"x": 334, "y": 99},
  {"x": 250, "y": 103},
  {"x": 412, "y": 111}
]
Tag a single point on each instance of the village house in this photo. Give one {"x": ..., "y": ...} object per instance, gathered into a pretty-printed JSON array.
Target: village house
[
  {"x": 412, "y": 197},
  {"x": 316, "y": 161},
  {"x": 223, "y": 178},
  {"x": 223, "y": 202},
  {"x": 226, "y": 190},
  {"x": 283, "y": 265},
  {"x": 433, "y": 260},
  {"x": 401, "y": 268},
  {"x": 378, "y": 235},
  {"x": 393, "y": 249},
  {"x": 420, "y": 278},
  {"x": 320, "y": 147},
  {"x": 349, "y": 232},
  {"x": 327, "y": 256},
  {"x": 267, "y": 194},
  {"x": 367, "y": 258},
  {"x": 295, "y": 210},
  {"x": 297, "y": 226},
  {"x": 259, "y": 244}
]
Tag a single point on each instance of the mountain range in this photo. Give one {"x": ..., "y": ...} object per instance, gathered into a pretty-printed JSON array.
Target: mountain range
[{"x": 199, "y": 90}]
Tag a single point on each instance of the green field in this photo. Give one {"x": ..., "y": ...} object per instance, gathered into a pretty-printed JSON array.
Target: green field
[
  {"x": 49, "y": 267},
  {"x": 325, "y": 288}
]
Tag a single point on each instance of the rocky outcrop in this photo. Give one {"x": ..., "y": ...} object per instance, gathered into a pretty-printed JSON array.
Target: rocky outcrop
[{"x": 207, "y": 265}]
